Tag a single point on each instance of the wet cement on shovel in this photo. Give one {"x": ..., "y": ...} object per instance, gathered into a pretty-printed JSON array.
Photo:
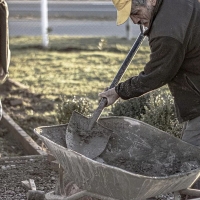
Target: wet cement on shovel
[
  {"x": 86, "y": 140},
  {"x": 85, "y": 135}
]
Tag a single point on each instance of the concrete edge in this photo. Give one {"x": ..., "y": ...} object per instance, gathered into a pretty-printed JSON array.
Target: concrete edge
[{"x": 29, "y": 145}]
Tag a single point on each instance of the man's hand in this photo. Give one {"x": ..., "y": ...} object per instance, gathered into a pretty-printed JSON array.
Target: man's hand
[{"x": 110, "y": 95}]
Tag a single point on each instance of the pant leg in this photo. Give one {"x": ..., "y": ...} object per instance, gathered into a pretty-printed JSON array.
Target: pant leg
[
  {"x": 191, "y": 134},
  {"x": 191, "y": 131},
  {"x": 0, "y": 110},
  {"x": 4, "y": 44},
  {"x": 4, "y": 41}
]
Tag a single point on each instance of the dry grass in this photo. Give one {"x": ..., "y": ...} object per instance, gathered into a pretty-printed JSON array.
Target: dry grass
[{"x": 70, "y": 66}]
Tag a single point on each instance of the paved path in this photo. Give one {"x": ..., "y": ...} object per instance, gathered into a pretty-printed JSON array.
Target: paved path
[
  {"x": 77, "y": 18},
  {"x": 71, "y": 27}
]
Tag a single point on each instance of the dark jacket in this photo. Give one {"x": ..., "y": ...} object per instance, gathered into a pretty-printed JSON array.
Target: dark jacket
[{"x": 174, "y": 39}]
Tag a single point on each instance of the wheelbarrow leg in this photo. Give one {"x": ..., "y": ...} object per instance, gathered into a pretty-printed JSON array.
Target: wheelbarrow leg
[
  {"x": 190, "y": 194},
  {"x": 61, "y": 180},
  {"x": 177, "y": 196}
]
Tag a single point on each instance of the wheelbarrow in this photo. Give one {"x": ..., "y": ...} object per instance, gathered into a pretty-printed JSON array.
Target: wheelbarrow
[{"x": 139, "y": 162}]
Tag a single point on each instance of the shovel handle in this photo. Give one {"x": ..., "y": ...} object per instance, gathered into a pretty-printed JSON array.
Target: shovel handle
[
  {"x": 127, "y": 60},
  {"x": 118, "y": 76}
]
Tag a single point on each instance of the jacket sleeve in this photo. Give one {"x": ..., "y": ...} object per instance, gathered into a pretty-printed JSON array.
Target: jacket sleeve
[{"x": 167, "y": 55}]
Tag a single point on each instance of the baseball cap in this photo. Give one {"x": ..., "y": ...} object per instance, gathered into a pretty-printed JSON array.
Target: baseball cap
[{"x": 123, "y": 10}]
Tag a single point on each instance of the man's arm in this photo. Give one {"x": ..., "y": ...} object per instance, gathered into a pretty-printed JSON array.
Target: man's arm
[{"x": 167, "y": 55}]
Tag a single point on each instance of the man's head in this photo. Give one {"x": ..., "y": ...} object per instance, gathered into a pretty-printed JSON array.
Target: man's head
[{"x": 140, "y": 11}]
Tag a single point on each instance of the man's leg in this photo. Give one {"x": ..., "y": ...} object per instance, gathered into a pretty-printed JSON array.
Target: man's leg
[
  {"x": 191, "y": 134},
  {"x": 4, "y": 41},
  {"x": 191, "y": 131},
  {"x": 4, "y": 44},
  {"x": 0, "y": 110}
]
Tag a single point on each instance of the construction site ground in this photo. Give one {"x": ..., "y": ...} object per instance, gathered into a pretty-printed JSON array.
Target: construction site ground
[
  {"x": 25, "y": 158},
  {"x": 17, "y": 163},
  {"x": 17, "y": 169}
]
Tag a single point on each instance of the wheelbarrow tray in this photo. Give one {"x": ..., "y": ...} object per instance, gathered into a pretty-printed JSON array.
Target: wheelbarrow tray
[{"x": 136, "y": 139}]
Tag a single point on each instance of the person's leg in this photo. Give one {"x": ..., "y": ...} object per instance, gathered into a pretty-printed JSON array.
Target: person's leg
[
  {"x": 0, "y": 110},
  {"x": 4, "y": 41},
  {"x": 4, "y": 45},
  {"x": 191, "y": 134},
  {"x": 191, "y": 131}
]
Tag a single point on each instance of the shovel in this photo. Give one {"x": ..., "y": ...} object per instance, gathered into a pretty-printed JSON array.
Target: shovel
[{"x": 86, "y": 136}]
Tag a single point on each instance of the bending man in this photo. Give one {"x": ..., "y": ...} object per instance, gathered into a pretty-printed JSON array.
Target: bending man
[{"x": 173, "y": 31}]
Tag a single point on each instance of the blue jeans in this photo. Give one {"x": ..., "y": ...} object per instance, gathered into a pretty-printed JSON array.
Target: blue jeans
[{"x": 191, "y": 131}]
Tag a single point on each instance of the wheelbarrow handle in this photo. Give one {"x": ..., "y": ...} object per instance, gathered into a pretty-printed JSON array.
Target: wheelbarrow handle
[{"x": 118, "y": 76}]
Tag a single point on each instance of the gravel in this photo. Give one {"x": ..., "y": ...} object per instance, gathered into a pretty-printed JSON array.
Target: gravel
[
  {"x": 13, "y": 170},
  {"x": 16, "y": 166}
]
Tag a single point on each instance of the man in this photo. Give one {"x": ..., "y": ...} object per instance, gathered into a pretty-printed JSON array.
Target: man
[
  {"x": 173, "y": 30},
  {"x": 4, "y": 44}
]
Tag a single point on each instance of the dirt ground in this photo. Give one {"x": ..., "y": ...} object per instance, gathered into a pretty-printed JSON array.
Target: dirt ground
[
  {"x": 14, "y": 171},
  {"x": 8, "y": 146},
  {"x": 18, "y": 101}
]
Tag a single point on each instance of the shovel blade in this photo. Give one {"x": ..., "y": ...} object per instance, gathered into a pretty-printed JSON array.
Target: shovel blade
[{"x": 88, "y": 142}]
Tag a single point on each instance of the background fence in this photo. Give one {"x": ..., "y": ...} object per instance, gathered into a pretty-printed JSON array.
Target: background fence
[{"x": 71, "y": 18}]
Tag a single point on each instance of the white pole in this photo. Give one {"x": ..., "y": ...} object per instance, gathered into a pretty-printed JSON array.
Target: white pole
[
  {"x": 44, "y": 23},
  {"x": 128, "y": 29}
]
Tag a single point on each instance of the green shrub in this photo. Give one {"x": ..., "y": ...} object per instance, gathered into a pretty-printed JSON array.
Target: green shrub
[
  {"x": 161, "y": 112},
  {"x": 133, "y": 108},
  {"x": 155, "y": 108},
  {"x": 67, "y": 106}
]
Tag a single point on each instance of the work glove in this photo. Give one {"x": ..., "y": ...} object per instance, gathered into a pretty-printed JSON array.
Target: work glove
[{"x": 110, "y": 95}]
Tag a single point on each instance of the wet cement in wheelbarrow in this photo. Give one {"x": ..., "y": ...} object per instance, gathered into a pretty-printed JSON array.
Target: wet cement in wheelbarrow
[
  {"x": 155, "y": 161},
  {"x": 150, "y": 158},
  {"x": 165, "y": 165},
  {"x": 151, "y": 169}
]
